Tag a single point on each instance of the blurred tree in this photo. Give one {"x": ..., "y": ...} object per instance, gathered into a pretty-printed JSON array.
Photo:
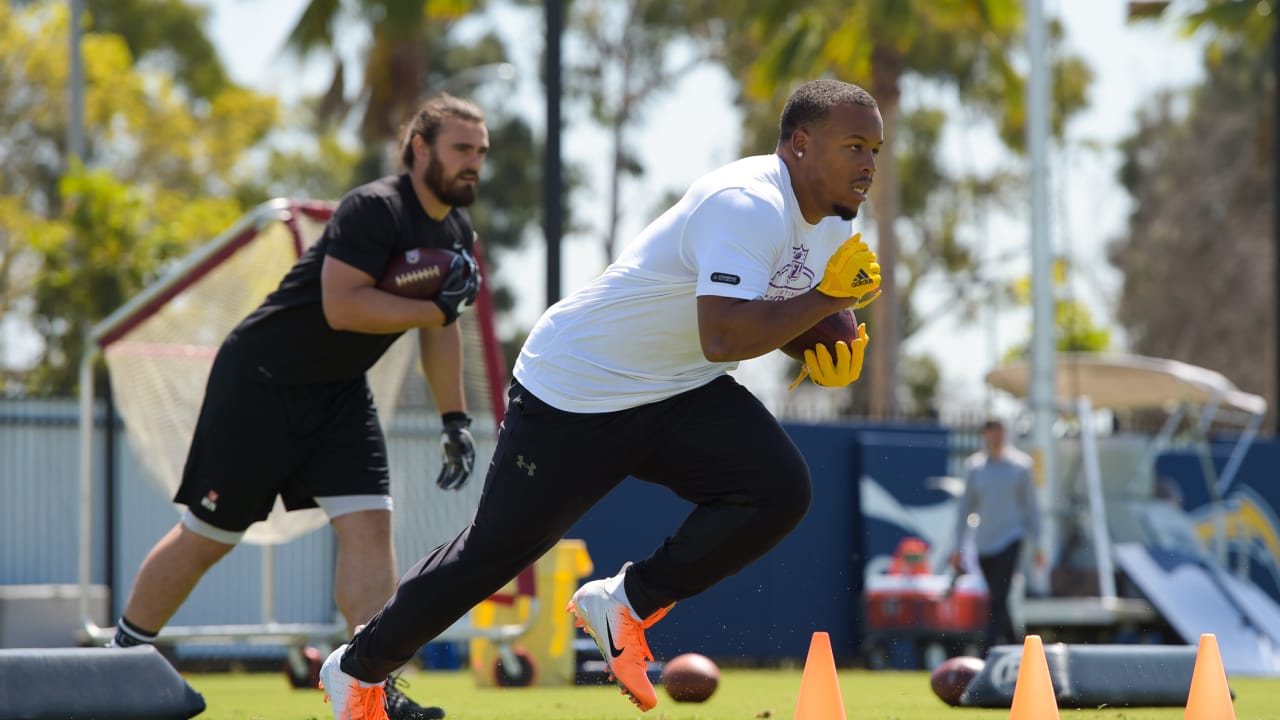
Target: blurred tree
[
  {"x": 1230, "y": 24},
  {"x": 404, "y": 39},
  {"x": 324, "y": 167},
  {"x": 921, "y": 377},
  {"x": 1075, "y": 331},
  {"x": 965, "y": 46},
  {"x": 169, "y": 33},
  {"x": 633, "y": 51},
  {"x": 1199, "y": 256},
  {"x": 19, "y": 265},
  {"x": 1074, "y": 327},
  {"x": 76, "y": 244},
  {"x": 109, "y": 243}
]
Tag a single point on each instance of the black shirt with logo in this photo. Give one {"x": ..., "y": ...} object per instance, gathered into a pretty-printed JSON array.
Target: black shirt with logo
[{"x": 287, "y": 339}]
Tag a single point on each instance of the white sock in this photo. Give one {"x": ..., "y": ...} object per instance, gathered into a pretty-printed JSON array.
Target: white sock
[{"x": 617, "y": 590}]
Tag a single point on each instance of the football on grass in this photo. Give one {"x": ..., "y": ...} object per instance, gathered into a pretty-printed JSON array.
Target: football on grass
[
  {"x": 417, "y": 273},
  {"x": 827, "y": 331},
  {"x": 690, "y": 677},
  {"x": 950, "y": 679}
]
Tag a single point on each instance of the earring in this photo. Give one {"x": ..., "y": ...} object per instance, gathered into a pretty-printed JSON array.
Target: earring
[{"x": 800, "y": 154}]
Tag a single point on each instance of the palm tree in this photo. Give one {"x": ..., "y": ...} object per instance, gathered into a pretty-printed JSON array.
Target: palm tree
[
  {"x": 626, "y": 64},
  {"x": 878, "y": 43},
  {"x": 1231, "y": 21},
  {"x": 1232, "y": 118},
  {"x": 404, "y": 35}
]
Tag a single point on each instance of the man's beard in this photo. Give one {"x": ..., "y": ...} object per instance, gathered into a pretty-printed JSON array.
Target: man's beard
[
  {"x": 433, "y": 178},
  {"x": 845, "y": 212}
]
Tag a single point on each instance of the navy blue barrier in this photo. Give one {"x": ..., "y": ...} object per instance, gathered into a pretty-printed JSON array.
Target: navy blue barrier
[
  {"x": 1252, "y": 504},
  {"x": 898, "y": 500},
  {"x": 812, "y": 581},
  {"x": 900, "y": 463}
]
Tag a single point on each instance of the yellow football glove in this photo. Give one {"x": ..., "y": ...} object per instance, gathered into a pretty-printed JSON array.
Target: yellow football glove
[
  {"x": 852, "y": 272},
  {"x": 839, "y": 371}
]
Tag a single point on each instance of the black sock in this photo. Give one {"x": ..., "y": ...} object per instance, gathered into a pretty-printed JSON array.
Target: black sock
[{"x": 130, "y": 635}]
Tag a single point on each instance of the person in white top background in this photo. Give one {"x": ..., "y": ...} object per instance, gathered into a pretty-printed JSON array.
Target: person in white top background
[
  {"x": 999, "y": 505},
  {"x": 628, "y": 376}
]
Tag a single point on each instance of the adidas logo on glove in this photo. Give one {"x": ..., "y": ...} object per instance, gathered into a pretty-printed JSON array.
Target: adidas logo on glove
[{"x": 862, "y": 278}]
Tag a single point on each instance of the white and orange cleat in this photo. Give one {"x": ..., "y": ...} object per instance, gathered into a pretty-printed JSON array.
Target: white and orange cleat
[
  {"x": 600, "y": 608},
  {"x": 352, "y": 699}
]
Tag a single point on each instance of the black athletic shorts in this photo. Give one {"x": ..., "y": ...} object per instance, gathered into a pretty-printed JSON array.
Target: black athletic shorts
[{"x": 256, "y": 440}]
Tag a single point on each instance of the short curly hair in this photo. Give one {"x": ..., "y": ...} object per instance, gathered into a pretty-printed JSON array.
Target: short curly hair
[
  {"x": 431, "y": 116},
  {"x": 814, "y": 100}
]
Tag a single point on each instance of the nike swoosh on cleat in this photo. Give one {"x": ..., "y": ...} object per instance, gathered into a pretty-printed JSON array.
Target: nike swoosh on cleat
[{"x": 613, "y": 649}]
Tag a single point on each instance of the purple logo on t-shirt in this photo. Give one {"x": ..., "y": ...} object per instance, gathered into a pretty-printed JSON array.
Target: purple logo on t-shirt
[{"x": 793, "y": 278}]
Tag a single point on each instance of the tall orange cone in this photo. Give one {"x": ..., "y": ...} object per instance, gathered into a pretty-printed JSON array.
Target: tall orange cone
[
  {"x": 1033, "y": 696},
  {"x": 1210, "y": 697},
  {"x": 819, "y": 688}
]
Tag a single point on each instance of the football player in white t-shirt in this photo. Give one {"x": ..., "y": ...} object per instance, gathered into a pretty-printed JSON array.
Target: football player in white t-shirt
[{"x": 629, "y": 377}]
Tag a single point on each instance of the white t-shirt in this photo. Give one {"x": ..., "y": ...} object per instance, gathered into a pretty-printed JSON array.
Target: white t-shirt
[{"x": 630, "y": 337}]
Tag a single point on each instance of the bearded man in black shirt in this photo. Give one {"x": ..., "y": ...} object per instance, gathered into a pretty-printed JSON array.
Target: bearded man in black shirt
[{"x": 288, "y": 412}]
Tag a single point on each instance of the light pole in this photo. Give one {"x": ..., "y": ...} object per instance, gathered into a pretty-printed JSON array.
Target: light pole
[
  {"x": 552, "y": 183},
  {"x": 1043, "y": 390},
  {"x": 75, "y": 89}
]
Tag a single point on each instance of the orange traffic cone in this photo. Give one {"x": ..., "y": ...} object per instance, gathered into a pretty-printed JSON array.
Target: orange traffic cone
[
  {"x": 1210, "y": 698},
  {"x": 819, "y": 688},
  {"x": 1033, "y": 696}
]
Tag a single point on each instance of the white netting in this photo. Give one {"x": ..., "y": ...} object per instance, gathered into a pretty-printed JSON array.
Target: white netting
[
  {"x": 426, "y": 516},
  {"x": 159, "y": 367}
]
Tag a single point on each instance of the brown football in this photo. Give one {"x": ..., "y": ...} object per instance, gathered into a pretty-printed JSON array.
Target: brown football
[
  {"x": 418, "y": 273},
  {"x": 690, "y": 677},
  {"x": 827, "y": 331},
  {"x": 950, "y": 679}
]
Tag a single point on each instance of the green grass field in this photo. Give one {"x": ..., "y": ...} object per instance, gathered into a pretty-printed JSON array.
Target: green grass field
[{"x": 743, "y": 695}]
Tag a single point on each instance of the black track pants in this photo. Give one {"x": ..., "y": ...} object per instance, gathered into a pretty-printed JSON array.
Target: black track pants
[
  {"x": 998, "y": 570},
  {"x": 716, "y": 446}
]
